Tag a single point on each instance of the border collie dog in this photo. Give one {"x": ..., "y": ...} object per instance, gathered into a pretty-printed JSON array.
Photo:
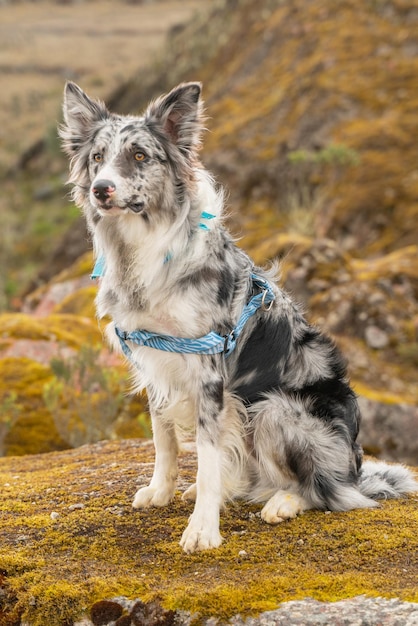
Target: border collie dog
[{"x": 217, "y": 345}]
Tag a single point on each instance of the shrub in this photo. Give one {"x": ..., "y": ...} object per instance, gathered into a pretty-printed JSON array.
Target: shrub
[
  {"x": 9, "y": 413},
  {"x": 84, "y": 397}
]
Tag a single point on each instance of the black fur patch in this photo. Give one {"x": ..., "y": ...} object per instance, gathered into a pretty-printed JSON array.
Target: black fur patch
[
  {"x": 225, "y": 287},
  {"x": 129, "y": 129},
  {"x": 205, "y": 276},
  {"x": 334, "y": 402},
  {"x": 259, "y": 362},
  {"x": 215, "y": 393}
]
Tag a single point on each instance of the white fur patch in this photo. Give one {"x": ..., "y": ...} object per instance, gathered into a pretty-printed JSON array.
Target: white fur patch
[
  {"x": 381, "y": 480},
  {"x": 202, "y": 531}
]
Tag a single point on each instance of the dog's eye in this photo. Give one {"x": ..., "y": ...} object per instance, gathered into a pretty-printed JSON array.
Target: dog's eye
[
  {"x": 139, "y": 156},
  {"x": 98, "y": 158}
]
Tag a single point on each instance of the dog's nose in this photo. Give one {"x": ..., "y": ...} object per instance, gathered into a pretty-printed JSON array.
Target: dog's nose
[{"x": 103, "y": 189}]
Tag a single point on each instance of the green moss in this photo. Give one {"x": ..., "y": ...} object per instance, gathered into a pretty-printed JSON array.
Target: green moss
[{"x": 56, "y": 568}]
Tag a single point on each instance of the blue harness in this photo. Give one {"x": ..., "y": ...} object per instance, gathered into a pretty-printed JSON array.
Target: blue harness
[{"x": 212, "y": 343}]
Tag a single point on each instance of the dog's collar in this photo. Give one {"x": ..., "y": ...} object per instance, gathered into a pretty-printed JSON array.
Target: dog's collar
[
  {"x": 99, "y": 267},
  {"x": 100, "y": 264},
  {"x": 212, "y": 343}
]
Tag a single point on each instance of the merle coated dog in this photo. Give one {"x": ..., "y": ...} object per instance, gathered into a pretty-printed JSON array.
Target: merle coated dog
[{"x": 217, "y": 344}]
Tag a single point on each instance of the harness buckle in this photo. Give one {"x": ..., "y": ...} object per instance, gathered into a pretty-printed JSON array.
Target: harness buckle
[
  {"x": 228, "y": 338},
  {"x": 122, "y": 334},
  {"x": 266, "y": 306}
]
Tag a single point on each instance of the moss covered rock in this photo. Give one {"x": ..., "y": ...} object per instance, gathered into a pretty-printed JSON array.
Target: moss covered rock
[
  {"x": 31, "y": 427},
  {"x": 59, "y": 386},
  {"x": 70, "y": 539},
  {"x": 28, "y": 346}
]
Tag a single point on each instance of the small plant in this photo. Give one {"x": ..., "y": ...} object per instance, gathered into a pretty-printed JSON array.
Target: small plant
[
  {"x": 144, "y": 423},
  {"x": 337, "y": 155},
  {"x": 9, "y": 413},
  {"x": 84, "y": 398},
  {"x": 304, "y": 197}
]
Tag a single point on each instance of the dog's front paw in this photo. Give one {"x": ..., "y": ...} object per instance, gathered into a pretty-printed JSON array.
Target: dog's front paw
[
  {"x": 196, "y": 538},
  {"x": 282, "y": 506},
  {"x": 151, "y": 496}
]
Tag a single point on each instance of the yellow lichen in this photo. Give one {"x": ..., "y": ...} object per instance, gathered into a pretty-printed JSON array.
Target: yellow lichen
[
  {"x": 73, "y": 330},
  {"x": 79, "y": 303},
  {"x": 34, "y": 429}
]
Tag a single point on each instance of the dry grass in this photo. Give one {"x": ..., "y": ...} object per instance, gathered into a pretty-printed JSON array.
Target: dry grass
[
  {"x": 42, "y": 44},
  {"x": 100, "y": 45}
]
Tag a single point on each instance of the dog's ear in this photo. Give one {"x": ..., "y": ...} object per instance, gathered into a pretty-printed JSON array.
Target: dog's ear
[
  {"x": 80, "y": 115},
  {"x": 179, "y": 115}
]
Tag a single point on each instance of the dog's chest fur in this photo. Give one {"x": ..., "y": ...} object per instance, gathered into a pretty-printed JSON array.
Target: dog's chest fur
[{"x": 183, "y": 292}]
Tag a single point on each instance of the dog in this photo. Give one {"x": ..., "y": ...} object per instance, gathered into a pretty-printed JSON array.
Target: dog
[{"x": 216, "y": 343}]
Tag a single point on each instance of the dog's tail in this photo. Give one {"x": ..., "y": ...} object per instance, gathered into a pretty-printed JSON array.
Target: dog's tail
[{"x": 381, "y": 481}]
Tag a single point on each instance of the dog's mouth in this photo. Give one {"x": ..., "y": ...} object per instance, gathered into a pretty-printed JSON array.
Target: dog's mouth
[
  {"x": 106, "y": 208},
  {"x": 135, "y": 207}
]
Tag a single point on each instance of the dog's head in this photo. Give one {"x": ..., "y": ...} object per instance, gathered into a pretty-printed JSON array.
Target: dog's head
[{"x": 141, "y": 165}]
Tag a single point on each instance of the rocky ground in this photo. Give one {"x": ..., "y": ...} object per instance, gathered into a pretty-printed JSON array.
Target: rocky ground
[{"x": 69, "y": 540}]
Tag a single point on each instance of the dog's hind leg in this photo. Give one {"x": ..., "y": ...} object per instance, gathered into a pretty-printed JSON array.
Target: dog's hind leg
[
  {"x": 161, "y": 488},
  {"x": 303, "y": 461},
  {"x": 190, "y": 494}
]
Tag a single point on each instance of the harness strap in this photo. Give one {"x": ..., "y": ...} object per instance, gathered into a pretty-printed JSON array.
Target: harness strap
[{"x": 212, "y": 343}]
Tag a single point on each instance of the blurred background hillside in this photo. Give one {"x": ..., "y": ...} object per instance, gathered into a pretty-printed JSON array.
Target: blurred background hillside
[{"x": 313, "y": 124}]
